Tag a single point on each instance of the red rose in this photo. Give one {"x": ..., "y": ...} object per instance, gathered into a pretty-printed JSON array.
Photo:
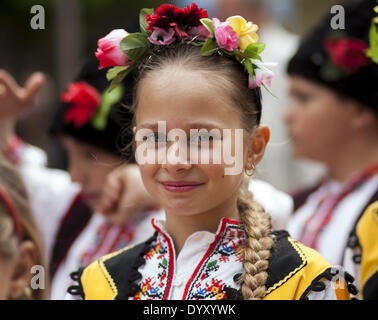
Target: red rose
[
  {"x": 347, "y": 53},
  {"x": 109, "y": 53},
  {"x": 84, "y": 100},
  {"x": 167, "y": 16}
]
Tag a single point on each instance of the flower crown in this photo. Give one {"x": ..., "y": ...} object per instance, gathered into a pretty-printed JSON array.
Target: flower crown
[{"x": 169, "y": 25}]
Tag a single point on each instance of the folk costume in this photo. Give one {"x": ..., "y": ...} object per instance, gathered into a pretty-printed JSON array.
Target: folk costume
[{"x": 208, "y": 267}]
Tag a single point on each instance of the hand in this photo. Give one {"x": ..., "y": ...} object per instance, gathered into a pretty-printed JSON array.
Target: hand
[
  {"x": 124, "y": 195},
  {"x": 14, "y": 99}
]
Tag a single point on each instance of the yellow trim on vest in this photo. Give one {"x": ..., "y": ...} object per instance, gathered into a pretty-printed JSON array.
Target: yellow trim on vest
[
  {"x": 294, "y": 287},
  {"x": 96, "y": 280},
  {"x": 367, "y": 230},
  {"x": 303, "y": 257}
]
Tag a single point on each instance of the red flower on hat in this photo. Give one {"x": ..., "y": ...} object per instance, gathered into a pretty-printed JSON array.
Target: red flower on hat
[
  {"x": 347, "y": 53},
  {"x": 84, "y": 100},
  {"x": 169, "y": 16}
]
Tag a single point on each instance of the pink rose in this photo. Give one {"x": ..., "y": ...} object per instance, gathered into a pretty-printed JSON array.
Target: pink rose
[
  {"x": 108, "y": 52},
  {"x": 226, "y": 37}
]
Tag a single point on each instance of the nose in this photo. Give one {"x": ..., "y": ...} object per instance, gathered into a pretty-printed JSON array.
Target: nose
[
  {"x": 287, "y": 114},
  {"x": 177, "y": 163},
  {"x": 77, "y": 173}
]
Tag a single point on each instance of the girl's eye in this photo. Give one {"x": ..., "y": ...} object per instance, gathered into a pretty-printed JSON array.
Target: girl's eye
[
  {"x": 202, "y": 137},
  {"x": 301, "y": 97},
  {"x": 155, "y": 138}
]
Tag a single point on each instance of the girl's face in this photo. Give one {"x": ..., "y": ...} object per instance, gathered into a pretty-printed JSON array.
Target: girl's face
[
  {"x": 89, "y": 166},
  {"x": 318, "y": 120},
  {"x": 185, "y": 102}
]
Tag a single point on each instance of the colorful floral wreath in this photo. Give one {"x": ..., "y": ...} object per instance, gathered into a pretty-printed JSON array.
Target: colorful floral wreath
[{"x": 169, "y": 25}]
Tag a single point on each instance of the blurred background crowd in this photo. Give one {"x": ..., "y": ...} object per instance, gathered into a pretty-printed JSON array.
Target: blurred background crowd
[{"x": 71, "y": 31}]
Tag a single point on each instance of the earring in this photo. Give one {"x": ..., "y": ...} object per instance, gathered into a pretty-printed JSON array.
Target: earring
[{"x": 249, "y": 172}]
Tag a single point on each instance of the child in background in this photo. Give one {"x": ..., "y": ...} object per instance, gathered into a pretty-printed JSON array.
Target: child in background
[
  {"x": 20, "y": 246},
  {"x": 216, "y": 241},
  {"x": 89, "y": 123},
  {"x": 333, "y": 118}
]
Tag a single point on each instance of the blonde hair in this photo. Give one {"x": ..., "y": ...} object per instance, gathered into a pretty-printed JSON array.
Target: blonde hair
[
  {"x": 9, "y": 243},
  {"x": 227, "y": 74}
]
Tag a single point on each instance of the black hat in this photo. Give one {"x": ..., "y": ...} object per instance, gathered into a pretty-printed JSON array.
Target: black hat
[
  {"x": 337, "y": 58},
  {"x": 101, "y": 118}
]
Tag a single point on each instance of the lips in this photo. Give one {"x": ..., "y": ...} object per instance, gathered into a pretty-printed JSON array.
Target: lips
[{"x": 180, "y": 186}]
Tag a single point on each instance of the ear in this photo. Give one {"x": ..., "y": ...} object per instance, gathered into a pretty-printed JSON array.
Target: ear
[
  {"x": 364, "y": 118},
  {"x": 22, "y": 276},
  {"x": 134, "y": 130},
  {"x": 258, "y": 144}
]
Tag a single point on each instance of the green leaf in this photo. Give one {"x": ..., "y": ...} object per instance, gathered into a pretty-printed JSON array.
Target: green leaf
[
  {"x": 266, "y": 88},
  {"x": 253, "y": 50},
  {"x": 209, "y": 47},
  {"x": 248, "y": 65},
  {"x": 108, "y": 99},
  {"x": 142, "y": 18},
  {"x": 331, "y": 73},
  {"x": 136, "y": 46},
  {"x": 209, "y": 25},
  {"x": 119, "y": 77},
  {"x": 373, "y": 41},
  {"x": 113, "y": 72}
]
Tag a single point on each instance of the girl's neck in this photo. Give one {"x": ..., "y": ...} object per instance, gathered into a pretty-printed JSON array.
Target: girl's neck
[
  {"x": 180, "y": 227},
  {"x": 345, "y": 165}
]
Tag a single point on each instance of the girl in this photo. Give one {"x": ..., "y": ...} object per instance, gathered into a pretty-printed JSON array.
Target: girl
[
  {"x": 20, "y": 248},
  {"x": 333, "y": 90},
  {"x": 216, "y": 242}
]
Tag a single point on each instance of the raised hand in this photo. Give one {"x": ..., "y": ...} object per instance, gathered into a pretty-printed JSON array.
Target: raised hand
[
  {"x": 124, "y": 195},
  {"x": 14, "y": 100}
]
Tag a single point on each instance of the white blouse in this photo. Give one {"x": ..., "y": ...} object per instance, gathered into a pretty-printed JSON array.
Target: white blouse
[{"x": 204, "y": 268}]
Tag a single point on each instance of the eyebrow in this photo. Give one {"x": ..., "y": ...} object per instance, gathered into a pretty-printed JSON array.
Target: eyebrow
[{"x": 193, "y": 125}]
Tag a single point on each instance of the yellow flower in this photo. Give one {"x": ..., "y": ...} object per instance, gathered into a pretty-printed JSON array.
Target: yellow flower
[
  {"x": 245, "y": 30},
  {"x": 376, "y": 18}
]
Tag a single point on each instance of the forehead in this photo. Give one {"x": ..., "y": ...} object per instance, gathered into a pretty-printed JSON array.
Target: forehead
[{"x": 183, "y": 97}]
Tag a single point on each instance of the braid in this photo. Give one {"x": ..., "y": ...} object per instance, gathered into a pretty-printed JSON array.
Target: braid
[{"x": 257, "y": 227}]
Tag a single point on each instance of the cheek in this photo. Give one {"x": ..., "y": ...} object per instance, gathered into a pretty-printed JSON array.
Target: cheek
[
  {"x": 148, "y": 172},
  {"x": 220, "y": 184}
]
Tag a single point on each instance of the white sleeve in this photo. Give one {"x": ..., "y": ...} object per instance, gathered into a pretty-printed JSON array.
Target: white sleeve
[
  {"x": 277, "y": 203},
  {"x": 329, "y": 292},
  {"x": 51, "y": 193}
]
